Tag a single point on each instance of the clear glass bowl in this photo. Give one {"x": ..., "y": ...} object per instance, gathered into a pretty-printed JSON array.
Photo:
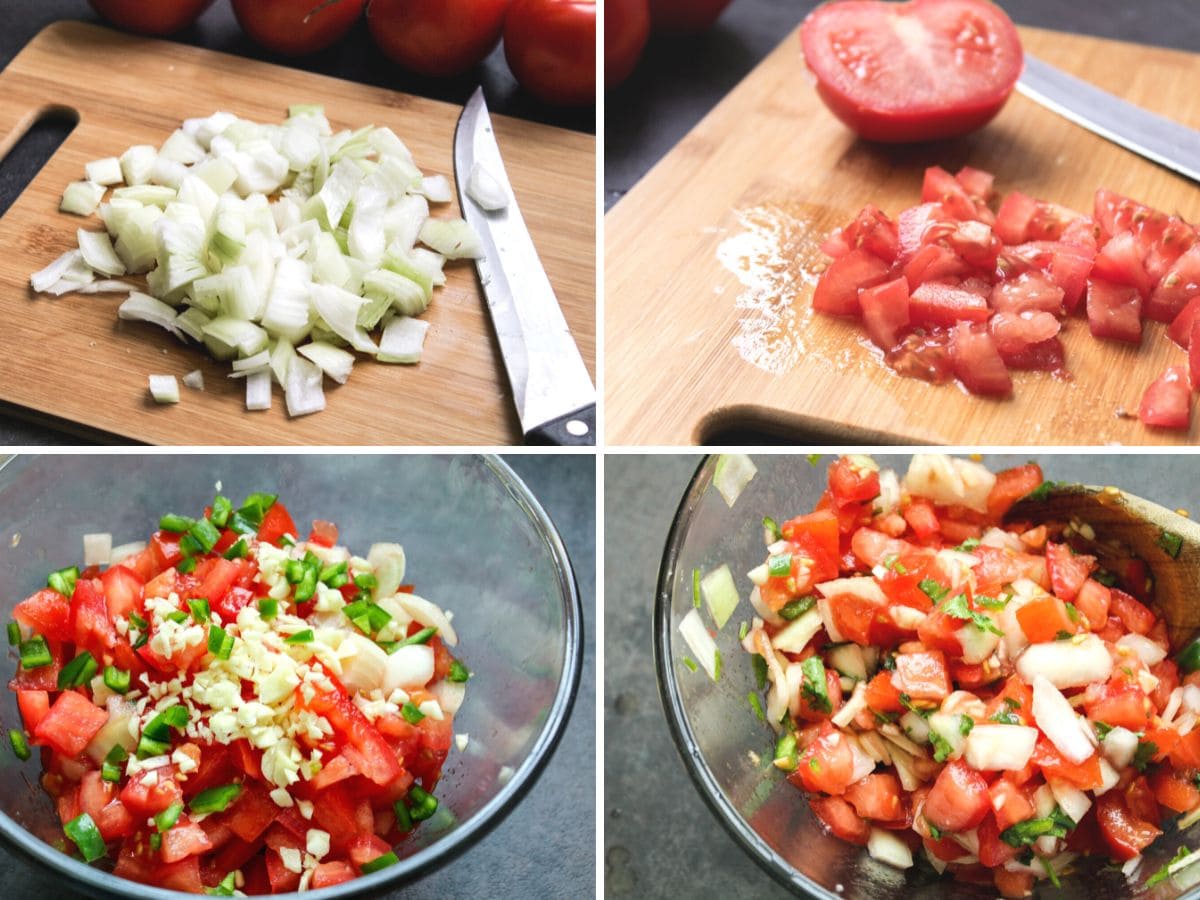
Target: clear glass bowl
[
  {"x": 727, "y": 750},
  {"x": 477, "y": 542}
]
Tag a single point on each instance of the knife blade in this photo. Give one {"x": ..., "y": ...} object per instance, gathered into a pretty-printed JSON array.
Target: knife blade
[
  {"x": 554, "y": 395},
  {"x": 1147, "y": 134}
]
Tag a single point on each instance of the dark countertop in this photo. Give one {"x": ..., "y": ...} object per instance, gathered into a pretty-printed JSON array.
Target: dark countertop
[
  {"x": 547, "y": 847},
  {"x": 679, "y": 79},
  {"x": 660, "y": 839},
  {"x": 354, "y": 58}
]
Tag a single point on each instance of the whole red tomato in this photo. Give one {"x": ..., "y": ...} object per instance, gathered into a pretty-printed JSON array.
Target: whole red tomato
[
  {"x": 437, "y": 37},
  {"x": 151, "y": 16},
  {"x": 626, "y": 28},
  {"x": 296, "y": 27},
  {"x": 685, "y": 15},
  {"x": 551, "y": 48}
]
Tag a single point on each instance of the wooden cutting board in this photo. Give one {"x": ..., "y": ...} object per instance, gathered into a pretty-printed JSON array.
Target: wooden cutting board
[
  {"x": 70, "y": 358},
  {"x": 711, "y": 258}
]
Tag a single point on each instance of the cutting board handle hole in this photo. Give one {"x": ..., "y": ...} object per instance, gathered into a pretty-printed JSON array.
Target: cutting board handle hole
[{"x": 30, "y": 146}]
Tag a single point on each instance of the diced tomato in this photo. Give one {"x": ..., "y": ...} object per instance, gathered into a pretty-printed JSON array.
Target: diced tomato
[
  {"x": 323, "y": 533},
  {"x": 1125, "y": 834},
  {"x": 1167, "y": 402},
  {"x": 882, "y": 694},
  {"x": 93, "y": 628},
  {"x": 71, "y": 723},
  {"x": 1119, "y": 262},
  {"x": 1013, "y": 884},
  {"x": 216, "y": 576},
  {"x": 1010, "y": 486},
  {"x": 877, "y": 797},
  {"x": 1194, "y": 357},
  {"x": 48, "y": 613},
  {"x": 282, "y": 879},
  {"x": 932, "y": 303},
  {"x": 348, "y": 721},
  {"x": 1044, "y": 619},
  {"x": 114, "y": 821},
  {"x": 993, "y": 851},
  {"x": 1119, "y": 702},
  {"x": 165, "y": 547},
  {"x": 162, "y": 585},
  {"x": 1068, "y": 571},
  {"x": 252, "y": 813},
  {"x": 1184, "y": 323},
  {"x": 977, "y": 362},
  {"x": 939, "y": 631},
  {"x": 821, "y": 525},
  {"x": 277, "y": 522},
  {"x": 366, "y": 847},
  {"x": 1092, "y": 601},
  {"x": 885, "y": 311},
  {"x": 1167, "y": 673},
  {"x": 920, "y": 516},
  {"x": 1135, "y": 616},
  {"x": 185, "y": 838},
  {"x": 1010, "y": 803},
  {"x": 841, "y": 818},
  {"x": 1175, "y": 790},
  {"x": 1085, "y": 775},
  {"x": 851, "y": 482},
  {"x": 958, "y": 800},
  {"x": 1114, "y": 311},
  {"x": 826, "y": 764},
  {"x": 122, "y": 591},
  {"x": 327, "y": 874},
  {"x": 151, "y": 792},
  {"x": 833, "y": 689},
  {"x": 33, "y": 706},
  {"x": 922, "y": 675}
]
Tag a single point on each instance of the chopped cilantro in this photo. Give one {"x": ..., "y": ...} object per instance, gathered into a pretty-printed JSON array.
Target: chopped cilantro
[
  {"x": 1057, "y": 824},
  {"x": 991, "y": 602},
  {"x": 743, "y": 630},
  {"x": 814, "y": 690},
  {"x": 934, "y": 831},
  {"x": 1063, "y": 636},
  {"x": 771, "y": 526},
  {"x": 1165, "y": 872},
  {"x": 968, "y": 545},
  {"x": 1072, "y": 612},
  {"x": 1050, "y": 873},
  {"x": 941, "y": 747},
  {"x": 759, "y": 665},
  {"x": 888, "y": 663},
  {"x": 932, "y": 589},
  {"x": 965, "y": 724},
  {"x": 1042, "y": 491},
  {"x": 1145, "y": 752},
  {"x": 1171, "y": 543},
  {"x": 959, "y": 609},
  {"x": 756, "y": 705},
  {"x": 1003, "y": 717},
  {"x": 1012, "y": 702},
  {"x": 906, "y": 702}
]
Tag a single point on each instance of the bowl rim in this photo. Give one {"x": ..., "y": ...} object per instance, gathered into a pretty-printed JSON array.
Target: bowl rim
[
  {"x": 682, "y": 734},
  {"x": 442, "y": 851}
]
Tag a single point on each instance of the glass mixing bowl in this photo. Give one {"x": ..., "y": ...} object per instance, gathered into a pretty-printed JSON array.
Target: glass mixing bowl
[
  {"x": 477, "y": 542},
  {"x": 728, "y": 751}
]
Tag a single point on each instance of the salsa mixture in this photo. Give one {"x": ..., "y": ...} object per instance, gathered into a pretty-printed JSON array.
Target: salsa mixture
[
  {"x": 231, "y": 708},
  {"x": 948, "y": 682}
]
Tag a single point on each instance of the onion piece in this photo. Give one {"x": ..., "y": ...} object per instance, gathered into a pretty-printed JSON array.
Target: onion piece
[
  {"x": 487, "y": 192},
  {"x": 1074, "y": 663},
  {"x": 402, "y": 341},
  {"x": 258, "y": 390},
  {"x": 164, "y": 388},
  {"x": 81, "y": 198},
  {"x": 98, "y": 252},
  {"x": 304, "y": 394},
  {"x": 139, "y": 307},
  {"x": 733, "y": 472},
  {"x": 105, "y": 171},
  {"x": 333, "y": 361},
  {"x": 194, "y": 380},
  {"x": 97, "y": 549},
  {"x": 1059, "y": 721},
  {"x": 55, "y": 272}
]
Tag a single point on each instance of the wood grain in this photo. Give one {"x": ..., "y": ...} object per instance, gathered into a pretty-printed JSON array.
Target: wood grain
[
  {"x": 71, "y": 358},
  {"x": 680, "y": 325}
]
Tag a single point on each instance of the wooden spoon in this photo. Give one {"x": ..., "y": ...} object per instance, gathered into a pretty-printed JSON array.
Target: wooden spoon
[{"x": 1127, "y": 526}]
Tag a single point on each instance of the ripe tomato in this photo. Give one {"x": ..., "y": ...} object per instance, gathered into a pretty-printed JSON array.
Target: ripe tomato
[
  {"x": 296, "y": 27},
  {"x": 437, "y": 37},
  {"x": 685, "y": 15},
  {"x": 626, "y": 29},
  {"x": 1167, "y": 402},
  {"x": 144, "y": 17},
  {"x": 550, "y": 46},
  {"x": 959, "y": 798},
  {"x": 912, "y": 71}
]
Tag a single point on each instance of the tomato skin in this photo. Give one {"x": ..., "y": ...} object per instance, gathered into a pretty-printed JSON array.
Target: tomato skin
[
  {"x": 1118, "y": 703},
  {"x": 958, "y": 800},
  {"x": 296, "y": 27},
  {"x": 1044, "y": 619},
  {"x": 967, "y": 85},
  {"x": 70, "y": 723},
  {"x": 685, "y": 16},
  {"x": 826, "y": 764},
  {"x": 436, "y": 37},
  {"x": 159, "y": 17},
  {"x": 550, "y": 46},
  {"x": 1011, "y": 485},
  {"x": 922, "y": 676},
  {"x": 626, "y": 30}
]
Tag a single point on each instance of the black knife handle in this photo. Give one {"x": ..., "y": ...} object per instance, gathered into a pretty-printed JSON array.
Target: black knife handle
[{"x": 575, "y": 429}]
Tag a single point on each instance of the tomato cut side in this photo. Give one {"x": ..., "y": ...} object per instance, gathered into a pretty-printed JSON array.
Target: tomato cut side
[
  {"x": 1167, "y": 402},
  {"x": 912, "y": 71}
]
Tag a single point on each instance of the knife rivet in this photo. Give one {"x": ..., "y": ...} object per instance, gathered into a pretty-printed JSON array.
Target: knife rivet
[{"x": 577, "y": 428}]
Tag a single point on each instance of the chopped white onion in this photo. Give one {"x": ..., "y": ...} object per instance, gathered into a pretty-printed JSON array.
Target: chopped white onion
[
  {"x": 333, "y": 361},
  {"x": 304, "y": 393},
  {"x": 139, "y": 307},
  {"x": 258, "y": 390},
  {"x": 105, "y": 171},
  {"x": 485, "y": 190},
  {"x": 164, "y": 388},
  {"x": 97, "y": 549},
  {"x": 194, "y": 380},
  {"x": 699, "y": 641},
  {"x": 1074, "y": 663},
  {"x": 81, "y": 198},
  {"x": 1059, "y": 721},
  {"x": 402, "y": 341}
]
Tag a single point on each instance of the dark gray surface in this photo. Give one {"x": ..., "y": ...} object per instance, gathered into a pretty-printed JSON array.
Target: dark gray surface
[
  {"x": 546, "y": 848},
  {"x": 680, "y": 79},
  {"x": 660, "y": 839},
  {"x": 354, "y": 58}
]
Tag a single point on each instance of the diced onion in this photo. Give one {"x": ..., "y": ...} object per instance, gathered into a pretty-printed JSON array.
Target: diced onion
[
  {"x": 164, "y": 388},
  {"x": 733, "y": 472},
  {"x": 700, "y": 642},
  {"x": 884, "y": 846},
  {"x": 258, "y": 390},
  {"x": 81, "y": 198},
  {"x": 98, "y": 252},
  {"x": 97, "y": 549},
  {"x": 105, "y": 171},
  {"x": 304, "y": 393},
  {"x": 139, "y": 307},
  {"x": 948, "y": 481},
  {"x": 485, "y": 190},
  {"x": 720, "y": 593},
  {"x": 1147, "y": 650},
  {"x": 794, "y": 636},
  {"x": 1059, "y": 721},
  {"x": 408, "y": 667},
  {"x": 1074, "y": 663},
  {"x": 402, "y": 341},
  {"x": 999, "y": 747},
  {"x": 194, "y": 380},
  {"x": 333, "y": 361},
  {"x": 430, "y": 615}
]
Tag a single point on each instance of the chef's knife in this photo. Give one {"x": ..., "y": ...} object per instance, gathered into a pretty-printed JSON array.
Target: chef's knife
[
  {"x": 1147, "y": 134},
  {"x": 553, "y": 392}
]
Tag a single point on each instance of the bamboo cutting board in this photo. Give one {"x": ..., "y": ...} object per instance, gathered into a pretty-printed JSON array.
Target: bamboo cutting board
[
  {"x": 710, "y": 262},
  {"x": 69, "y": 357}
]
